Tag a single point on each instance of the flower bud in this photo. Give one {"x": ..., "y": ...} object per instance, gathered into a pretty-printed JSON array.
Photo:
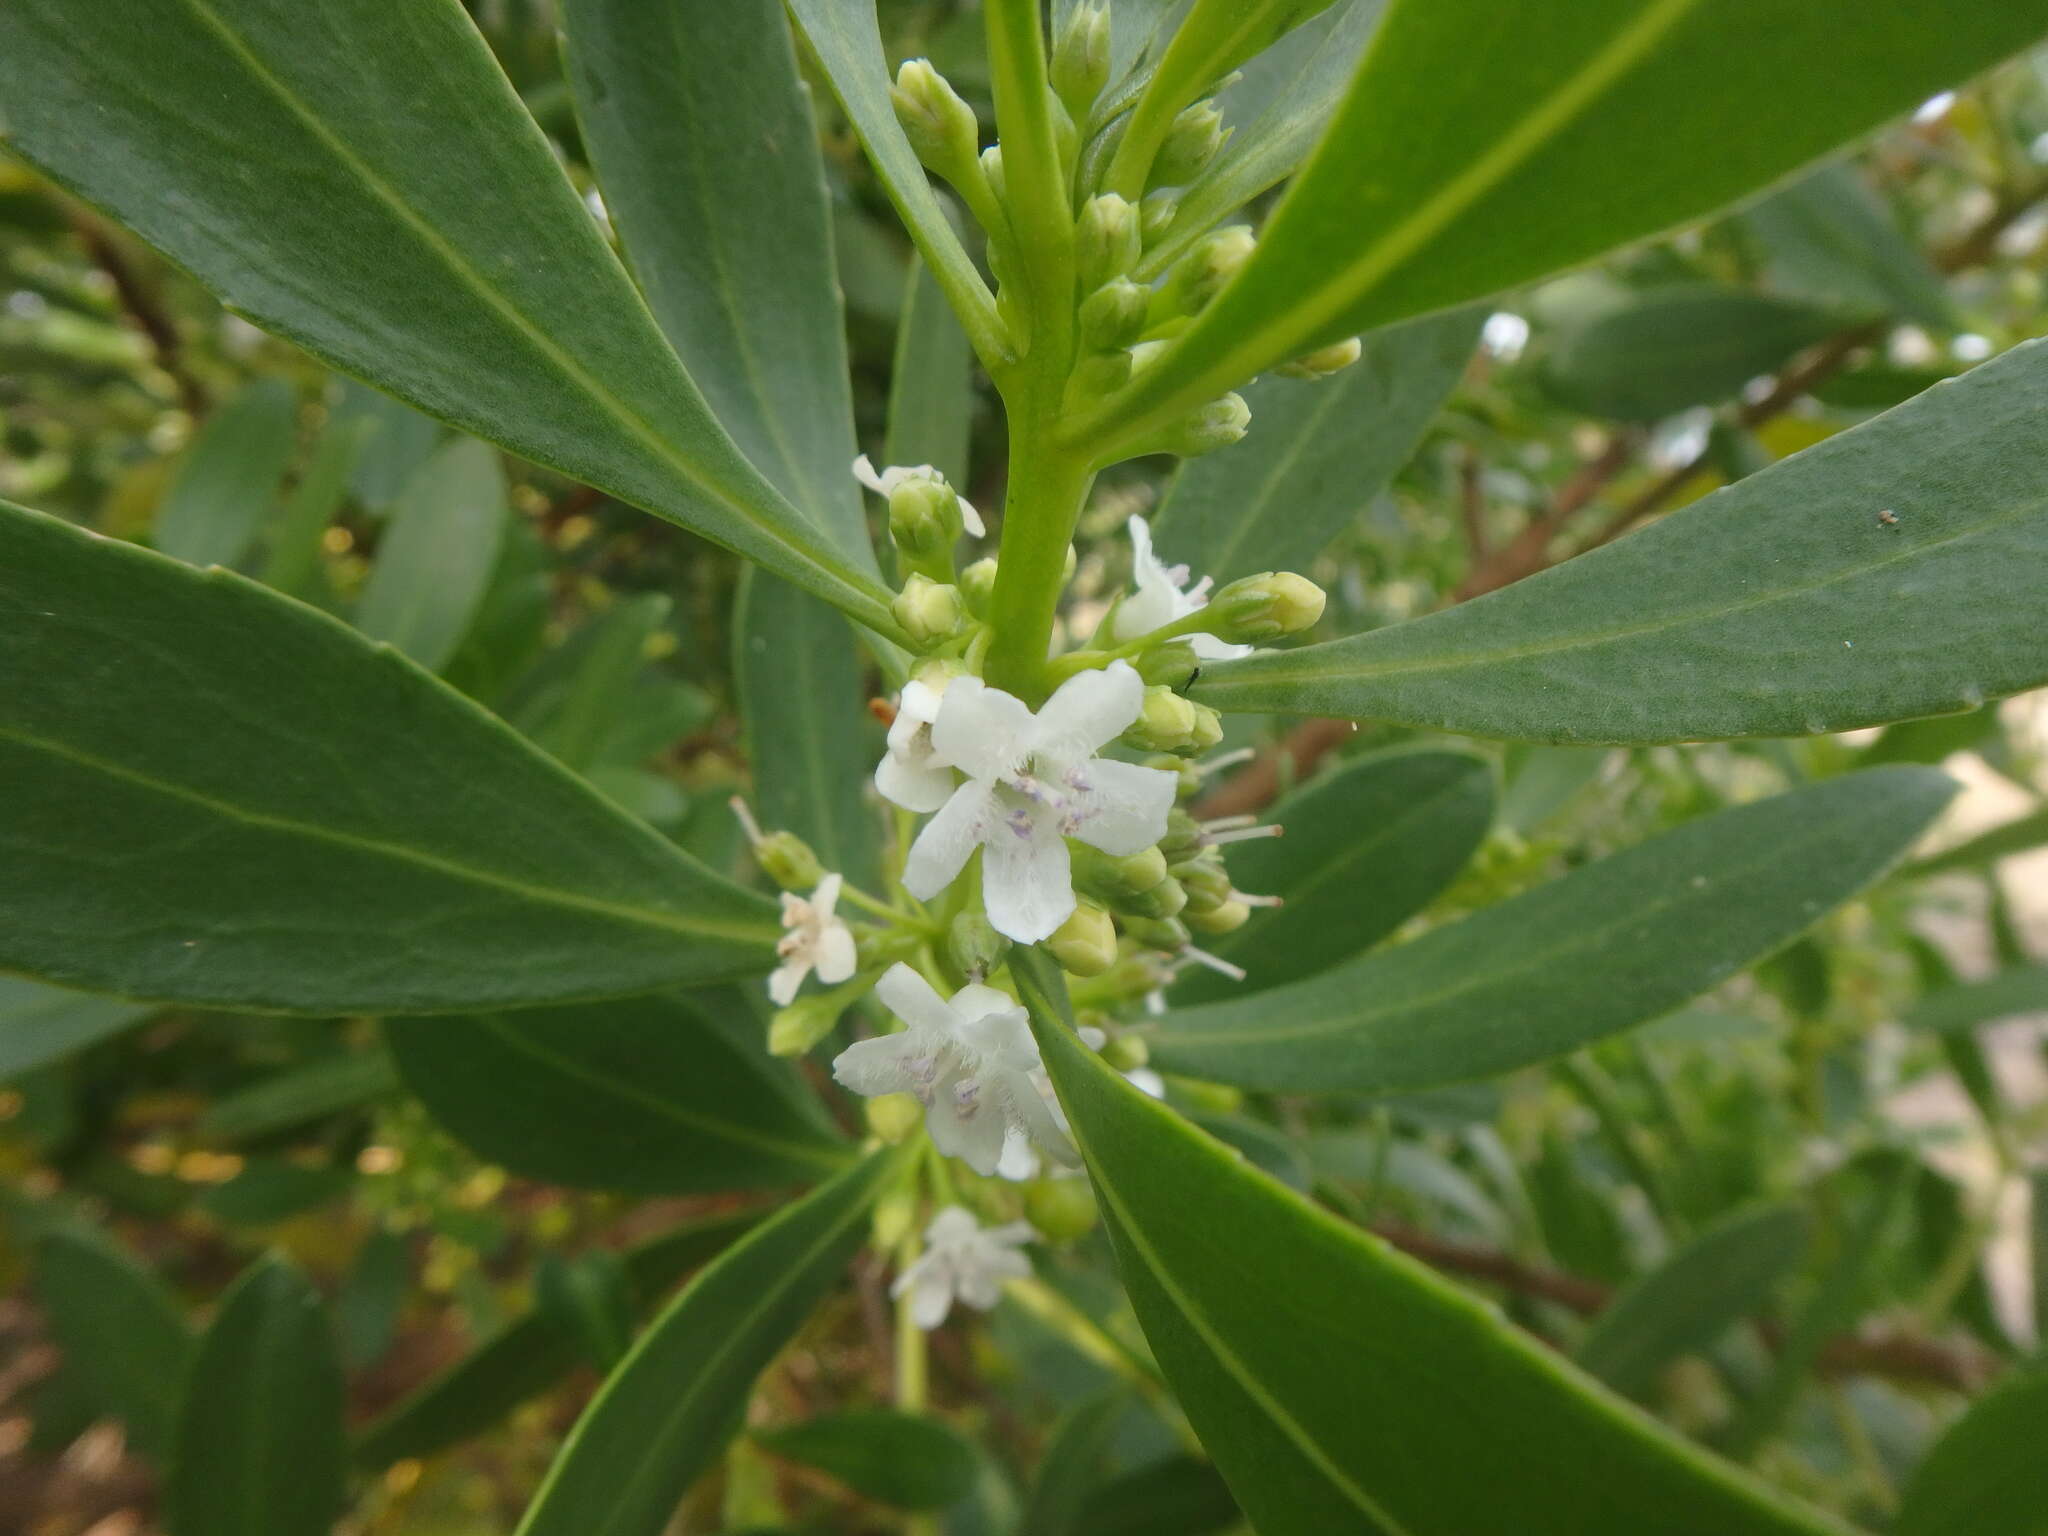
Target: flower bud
[
  {"x": 924, "y": 519},
  {"x": 895, "y": 1213},
  {"x": 1145, "y": 354},
  {"x": 992, "y": 172},
  {"x": 1173, "y": 664},
  {"x": 1155, "y": 216},
  {"x": 940, "y": 126},
  {"x": 1208, "y": 730},
  {"x": 1080, "y": 58},
  {"x": 1212, "y": 1098},
  {"x": 787, "y": 859},
  {"x": 974, "y": 946},
  {"x": 1126, "y": 1053},
  {"x": 1227, "y": 918},
  {"x": 1086, "y": 942},
  {"x": 1218, "y": 424},
  {"x": 1205, "y": 880},
  {"x": 929, "y": 611},
  {"x": 795, "y": 1029},
  {"x": 1257, "y": 608},
  {"x": 1117, "y": 879},
  {"x": 893, "y": 1116},
  {"x": 1106, "y": 240},
  {"x": 1164, "y": 900},
  {"x": 1165, "y": 723},
  {"x": 1094, "y": 377},
  {"x": 1169, "y": 934},
  {"x": 1189, "y": 775},
  {"x": 1183, "y": 834},
  {"x": 1190, "y": 144},
  {"x": 978, "y": 586},
  {"x": 1200, "y": 275},
  {"x": 1113, "y": 316},
  {"x": 1324, "y": 361},
  {"x": 1060, "y": 1210}
]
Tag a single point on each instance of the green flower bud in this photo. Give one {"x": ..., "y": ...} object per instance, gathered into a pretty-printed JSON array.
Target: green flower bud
[
  {"x": 929, "y": 611},
  {"x": 795, "y": 1029},
  {"x": 1216, "y": 425},
  {"x": 1094, "y": 377},
  {"x": 1173, "y": 664},
  {"x": 974, "y": 946},
  {"x": 1116, "y": 880},
  {"x": 978, "y": 586},
  {"x": 1113, "y": 316},
  {"x": 940, "y": 126},
  {"x": 1189, "y": 775},
  {"x": 1208, "y": 730},
  {"x": 1227, "y": 918},
  {"x": 924, "y": 520},
  {"x": 1324, "y": 361},
  {"x": 1086, "y": 942},
  {"x": 1164, "y": 900},
  {"x": 1107, "y": 242},
  {"x": 1190, "y": 144},
  {"x": 1199, "y": 276},
  {"x": 894, "y": 1116},
  {"x": 1144, "y": 355},
  {"x": 992, "y": 171},
  {"x": 1062, "y": 1210},
  {"x": 787, "y": 859},
  {"x": 1156, "y": 215},
  {"x": 1165, "y": 723},
  {"x": 1169, "y": 934},
  {"x": 1262, "y": 607},
  {"x": 1183, "y": 834},
  {"x": 1126, "y": 1053},
  {"x": 1215, "y": 1098},
  {"x": 1206, "y": 881},
  {"x": 1080, "y": 58},
  {"x": 895, "y": 1213}
]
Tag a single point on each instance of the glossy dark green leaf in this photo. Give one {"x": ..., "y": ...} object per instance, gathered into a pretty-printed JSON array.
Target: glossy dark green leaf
[
  {"x": 529, "y": 1354},
  {"x": 280, "y": 797},
  {"x": 643, "y": 1094},
  {"x": 1828, "y": 239},
  {"x": 665, "y": 1413},
  {"x": 1366, "y": 849},
  {"x": 224, "y": 485},
  {"x": 931, "y": 385},
  {"x": 364, "y": 182},
  {"x": 1180, "y": 1496},
  {"x": 1483, "y": 144},
  {"x": 1321, "y": 451},
  {"x": 1611, "y": 945},
  {"x": 1779, "y": 606},
  {"x": 124, "y": 1337},
  {"x": 1930, "y": 740},
  {"x": 435, "y": 559},
  {"x": 291, "y": 545},
  {"x": 39, "y": 1025},
  {"x": 2022, "y": 989},
  {"x": 905, "y": 1459},
  {"x": 1987, "y": 1473},
  {"x": 260, "y": 1449},
  {"x": 1072, "y": 1465},
  {"x": 1693, "y": 1297},
  {"x": 2015, "y": 836},
  {"x": 1343, "y": 1387},
  {"x": 1676, "y": 346},
  {"x": 312, "y": 1090}
]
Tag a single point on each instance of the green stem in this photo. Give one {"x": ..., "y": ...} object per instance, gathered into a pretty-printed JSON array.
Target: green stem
[
  {"x": 913, "y": 1371},
  {"x": 1046, "y": 492}
]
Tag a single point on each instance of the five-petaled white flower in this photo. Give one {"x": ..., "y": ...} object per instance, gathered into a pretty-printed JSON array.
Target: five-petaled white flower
[
  {"x": 899, "y": 474},
  {"x": 1163, "y": 595},
  {"x": 962, "y": 1261},
  {"x": 817, "y": 940},
  {"x": 1033, "y": 781},
  {"x": 908, "y": 773},
  {"x": 969, "y": 1060}
]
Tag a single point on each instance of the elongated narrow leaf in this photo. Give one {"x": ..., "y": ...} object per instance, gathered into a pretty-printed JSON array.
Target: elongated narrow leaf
[
  {"x": 1828, "y": 239},
  {"x": 1578, "y": 128},
  {"x": 326, "y": 1085},
  {"x": 260, "y": 1449},
  {"x": 1179, "y": 1496},
  {"x": 666, "y": 1412},
  {"x": 291, "y": 544},
  {"x": 1609, "y": 946},
  {"x": 1987, "y": 1473},
  {"x": 931, "y": 387},
  {"x": 39, "y": 1025},
  {"x": 1322, "y": 451},
  {"x": 1343, "y": 1387},
  {"x": 224, "y": 485},
  {"x": 2022, "y": 989},
  {"x": 122, "y": 1333},
  {"x": 641, "y": 1095},
  {"x": 2016, "y": 836},
  {"x": 1693, "y": 1297},
  {"x": 1365, "y": 850},
  {"x": 1072, "y": 1465},
  {"x": 361, "y": 179},
  {"x": 1782, "y": 605},
  {"x": 905, "y": 1459},
  {"x": 438, "y": 551},
  {"x": 218, "y": 795}
]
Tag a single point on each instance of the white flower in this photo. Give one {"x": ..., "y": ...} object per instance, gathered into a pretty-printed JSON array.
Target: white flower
[
  {"x": 970, "y": 1061},
  {"x": 907, "y": 773},
  {"x": 1033, "y": 781},
  {"x": 962, "y": 1261},
  {"x": 900, "y": 474},
  {"x": 1160, "y": 599},
  {"x": 817, "y": 940}
]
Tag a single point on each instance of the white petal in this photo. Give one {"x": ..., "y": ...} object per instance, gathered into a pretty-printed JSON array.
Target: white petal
[
  {"x": 837, "y": 955},
  {"x": 913, "y": 788},
  {"x": 1033, "y": 1113},
  {"x": 1011, "y": 1233},
  {"x": 785, "y": 979},
  {"x": 971, "y": 520},
  {"x": 1123, "y": 808},
  {"x": 1018, "y": 1162},
  {"x": 1147, "y": 1082},
  {"x": 1027, "y": 879},
  {"x": 919, "y": 701},
  {"x": 976, "y": 1001},
  {"x": 948, "y": 840},
  {"x": 826, "y": 896},
  {"x": 964, "y": 1122},
  {"x": 1209, "y": 648},
  {"x": 864, "y": 472},
  {"x": 931, "y": 1298},
  {"x": 984, "y": 731},
  {"x": 952, "y": 1224},
  {"x": 912, "y": 999},
  {"x": 881, "y": 1065},
  {"x": 1089, "y": 710}
]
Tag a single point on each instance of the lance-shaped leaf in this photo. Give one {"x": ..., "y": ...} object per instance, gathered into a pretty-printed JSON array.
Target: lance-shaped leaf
[
  {"x": 1828, "y": 239},
  {"x": 123, "y": 1334},
  {"x": 435, "y": 560},
  {"x": 1343, "y": 1387},
  {"x": 218, "y": 795},
  {"x": 1609, "y": 946},
  {"x": 644, "y": 1094},
  {"x": 2020, "y": 989},
  {"x": 1484, "y": 144},
  {"x": 39, "y": 1025},
  {"x": 224, "y": 484},
  {"x": 905, "y": 1459},
  {"x": 665, "y": 1413},
  {"x": 361, "y": 179},
  {"x": 1987, "y": 1473},
  {"x": 931, "y": 388},
  {"x": 2016, "y": 836},
  {"x": 1782, "y": 605},
  {"x": 1323, "y": 450}
]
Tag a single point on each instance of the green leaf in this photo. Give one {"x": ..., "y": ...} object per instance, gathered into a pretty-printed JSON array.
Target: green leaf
[
  {"x": 664, "y": 1414},
  {"x": 435, "y": 560},
  {"x": 365, "y": 183},
  {"x": 931, "y": 382},
  {"x": 1675, "y": 346},
  {"x": 123, "y": 1335},
  {"x": 278, "y": 797},
  {"x": 2021, "y": 989},
  {"x": 1541, "y": 781},
  {"x": 260, "y": 1449},
  {"x": 1179, "y": 1496},
  {"x": 642, "y": 1095},
  {"x": 905, "y": 1459},
  {"x": 397, "y": 440},
  {"x": 291, "y": 545},
  {"x": 371, "y": 1296},
  {"x": 1366, "y": 849},
  {"x": 225, "y": 482},
  {"x": 1987, "y": 1473},
  {"x": 1322, "y": 450},
  {"x": 1072, "y": 1465},
  {"x": 1611, "y": 945},
  {"x": 39, "y": 1025},
  {"x": 1683, "y": 1305},
  {"x": 2015, "y": 836},
  {"x": 1779, "y": 606},
  {"x": 269, "y": 1190},
  {"x": 1343, "y": 1387},
  {"x": 326, "y": 1085},
  {"x": 530, "y": 1354},
  {"x": 575, "y": 697},
  {"x": 1828, "y": 239}
]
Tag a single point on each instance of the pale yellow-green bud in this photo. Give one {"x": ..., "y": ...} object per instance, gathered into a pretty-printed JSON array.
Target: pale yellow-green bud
[
  {"x": 1156, "y": 214},
  {"x": 788, "y": 860},
  {"x": 1164, "y": 900},
  {"x": 1206, "y": 881},
  {"x": 1324, "y": 361},
  {"x": 1218, "y": 424},
  {"x": 1165, "y": 723},
  {"x": 992, "y": 170},
  {"x": 1208, "y": 729},
  {"x": 1145, "y": 354},
  {"x": 978, "y": 586},
  {"x": 795, "y": 1029},
  {"x": 895, "y": 1214},
  {"x": 1102, "y": 374},
  {"x": 1117, "y": 878},
  {"x": 1173, "y": 664},
  {"x": 894, "y": 1116},
  {"x": 1126, "y": 1053},
  {"x": 1060, "y": 1210},
  {"x": 974, "y": 946},
  {"x": 1107, "y": 242},
  {"x": 1086, "y": 942},
  {"x": 1183, "y": 834},
  {"x": 1169, "y": 934},
  {"x": 1255, "y": 608},
  {"x": 940, "y": 126},
  {"x": 1225, "y": 918},
  {"x": 1200, "y": 275},
  {"x": 924, "y": 521},
  {"x": 1190, "y": 144},
  {"x": 1080, "y": 58},
  {"x": 1215, "y": 1098},
  {"x": 929, "y": 611},
  {"x": 1113, "y": 316}
]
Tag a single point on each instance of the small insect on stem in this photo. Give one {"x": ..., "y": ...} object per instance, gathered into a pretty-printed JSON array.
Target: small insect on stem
[{"x": 1888, "y": 518}]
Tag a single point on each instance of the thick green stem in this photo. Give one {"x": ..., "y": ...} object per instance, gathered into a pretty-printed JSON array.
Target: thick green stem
[{"x": 1046, "y": 491}]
